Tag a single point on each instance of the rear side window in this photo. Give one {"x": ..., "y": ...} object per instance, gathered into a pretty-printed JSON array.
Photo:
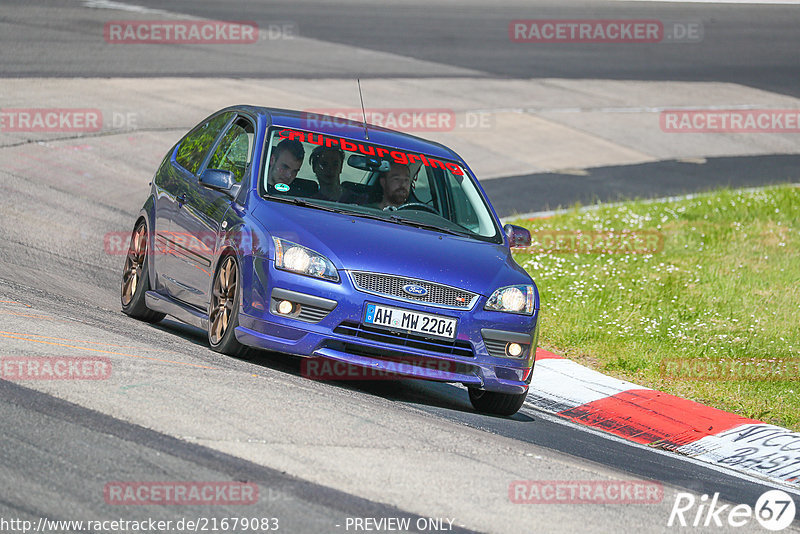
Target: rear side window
[{"x": 195, "y": 146}]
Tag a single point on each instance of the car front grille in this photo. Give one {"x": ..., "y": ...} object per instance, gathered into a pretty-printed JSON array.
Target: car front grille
[
  {"x": 387, "y": 285},
  {"x": 401, "y": 340}
]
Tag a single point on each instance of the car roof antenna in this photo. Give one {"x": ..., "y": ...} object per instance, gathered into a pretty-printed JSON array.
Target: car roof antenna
[{"x": 363, "y": 111}]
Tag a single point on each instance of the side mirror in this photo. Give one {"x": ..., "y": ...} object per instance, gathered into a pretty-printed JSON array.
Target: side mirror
[
  {"x": 217, "y": 179},
  {"x": 517, "y": 236}
]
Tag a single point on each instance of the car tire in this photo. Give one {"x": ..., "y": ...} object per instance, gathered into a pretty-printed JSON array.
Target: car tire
[
  {"x": 136, "y": 277},
  {"x": 496, "y": 403},
  {"x": 223, "y": 310}
]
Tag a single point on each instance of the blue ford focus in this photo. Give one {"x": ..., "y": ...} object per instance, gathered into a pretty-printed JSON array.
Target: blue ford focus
[{"x": 340, "y": 242}]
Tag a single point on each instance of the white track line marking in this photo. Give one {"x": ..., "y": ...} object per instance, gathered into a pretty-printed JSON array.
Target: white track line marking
[{"x": 121, "y": 6}]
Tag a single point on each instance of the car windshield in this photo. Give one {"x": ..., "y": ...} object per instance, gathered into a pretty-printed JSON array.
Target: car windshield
[{"x": 368, "y": 180}]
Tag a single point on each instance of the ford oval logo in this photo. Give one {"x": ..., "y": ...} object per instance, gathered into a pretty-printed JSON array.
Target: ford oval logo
[{"x": 415, "y": 290}]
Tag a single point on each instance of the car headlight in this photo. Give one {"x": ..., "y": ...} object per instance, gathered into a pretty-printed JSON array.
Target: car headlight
[
  {"x": 299, "y": 259},
  {"x": 512, "y": 299}
]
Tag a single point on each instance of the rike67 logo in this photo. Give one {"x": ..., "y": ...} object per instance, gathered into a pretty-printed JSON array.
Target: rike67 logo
[{"x": 774, "y": 510}]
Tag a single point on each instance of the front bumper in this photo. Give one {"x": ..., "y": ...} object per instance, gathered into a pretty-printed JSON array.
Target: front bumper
[{"x": 327, "y": 323}]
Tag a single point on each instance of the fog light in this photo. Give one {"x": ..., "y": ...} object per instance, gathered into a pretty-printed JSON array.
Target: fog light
[
  {"x": 285, "y": 307},
  {"x": 514, "y": 349}
]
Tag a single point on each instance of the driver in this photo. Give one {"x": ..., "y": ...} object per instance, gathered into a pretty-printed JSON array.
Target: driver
[{"x": 396, "y": 185}]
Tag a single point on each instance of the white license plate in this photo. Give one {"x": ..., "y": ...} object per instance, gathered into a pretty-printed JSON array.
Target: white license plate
[{"x": 410, "y": 321}]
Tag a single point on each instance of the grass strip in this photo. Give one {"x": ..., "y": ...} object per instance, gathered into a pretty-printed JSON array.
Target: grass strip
[{"x": 709, "y": 312}]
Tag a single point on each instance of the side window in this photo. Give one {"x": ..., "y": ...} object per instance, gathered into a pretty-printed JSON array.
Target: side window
[
  {"x": 463, "y": 212},
  {"x": 235, "y": 149},
  {"x": 422, "y": 187},
  {"x": 196, "y": 145}
]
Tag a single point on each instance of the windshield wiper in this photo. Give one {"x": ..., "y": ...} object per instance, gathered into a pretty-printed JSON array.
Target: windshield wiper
[
  {"x": 392, "y": 218},
  {"x": 302, "y": 202},
  {"x": 417, "y": 224},
  {"x": 408, "y": 222}
]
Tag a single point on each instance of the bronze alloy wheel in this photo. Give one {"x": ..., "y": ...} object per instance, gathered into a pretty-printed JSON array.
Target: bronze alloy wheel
[
  {"x": 223, "y": 300},
  {"x": 132, "y": 273},
  {"x": 135, "y": 278}
]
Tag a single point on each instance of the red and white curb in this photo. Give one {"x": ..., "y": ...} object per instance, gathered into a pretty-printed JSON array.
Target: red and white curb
[{"x": 656, "y": 419}]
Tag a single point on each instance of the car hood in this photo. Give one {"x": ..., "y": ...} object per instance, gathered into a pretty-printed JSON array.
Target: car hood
[{"x": 356, "y": 243}]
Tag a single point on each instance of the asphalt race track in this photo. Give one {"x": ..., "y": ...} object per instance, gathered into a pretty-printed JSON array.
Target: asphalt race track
[{"x": 566, "y": 123}]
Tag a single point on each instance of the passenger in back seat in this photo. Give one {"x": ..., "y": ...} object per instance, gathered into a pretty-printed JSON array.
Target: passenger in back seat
[{"x": 326, "y": 162}]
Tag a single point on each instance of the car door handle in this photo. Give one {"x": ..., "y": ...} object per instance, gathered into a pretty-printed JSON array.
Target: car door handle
[{"x": 181, "y": 200}]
